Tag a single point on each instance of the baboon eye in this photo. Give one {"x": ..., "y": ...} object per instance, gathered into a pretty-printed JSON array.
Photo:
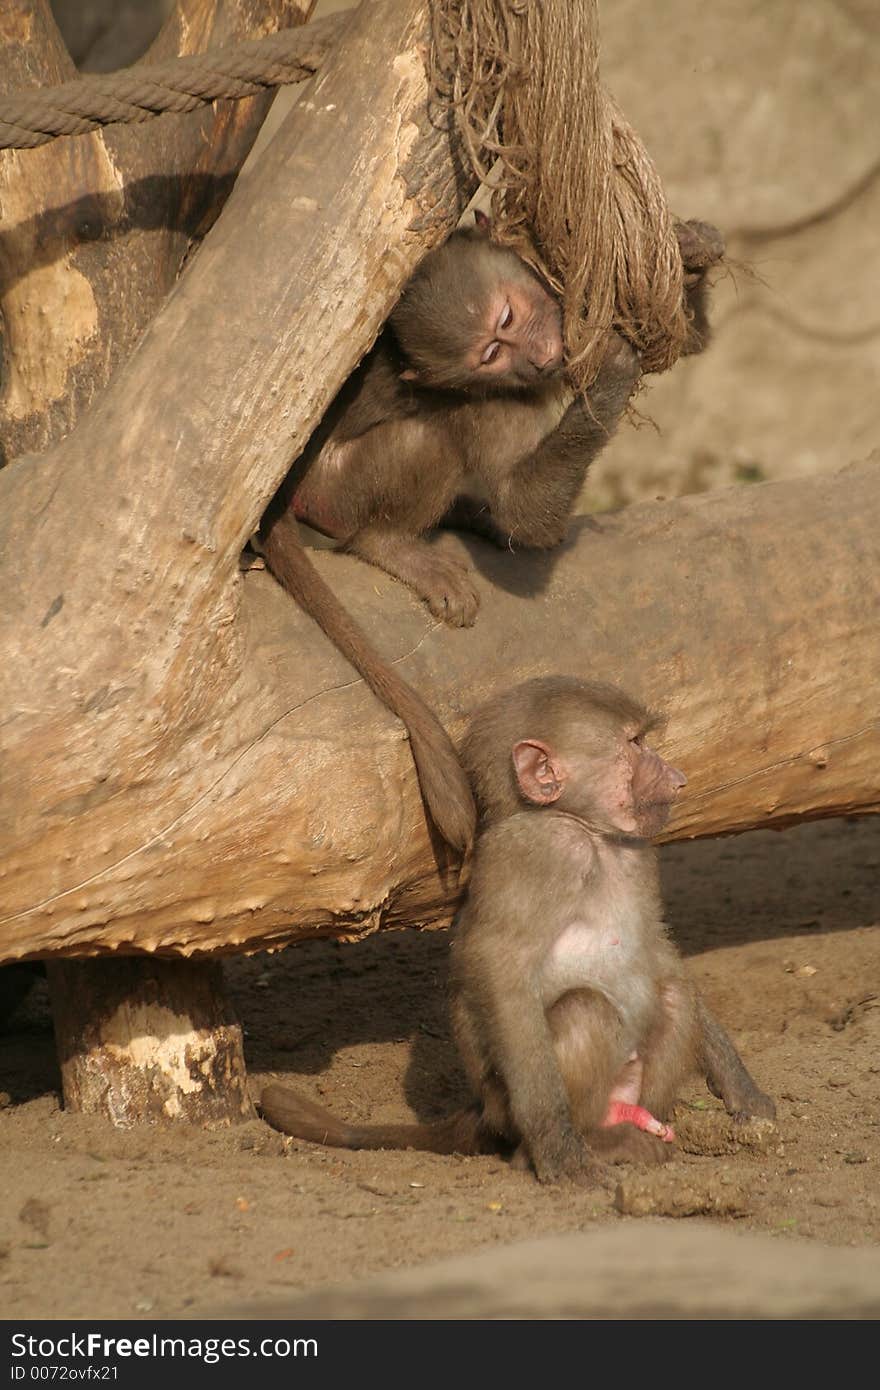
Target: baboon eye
[
  {"x": 506, "y": 318},
  {"x": 490, "y": 354}
]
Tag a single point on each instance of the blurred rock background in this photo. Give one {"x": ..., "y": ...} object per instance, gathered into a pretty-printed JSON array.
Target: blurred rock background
[{"x": 764, "y": 119}]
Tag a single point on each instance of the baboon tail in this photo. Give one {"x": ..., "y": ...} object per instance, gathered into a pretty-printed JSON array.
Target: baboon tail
[
  {"x": 442, "y": 779},
  {"x": 292, "y": 1113}
]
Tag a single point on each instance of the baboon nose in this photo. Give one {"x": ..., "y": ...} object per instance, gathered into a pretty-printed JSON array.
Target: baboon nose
[{"x": 549, "y": 357}]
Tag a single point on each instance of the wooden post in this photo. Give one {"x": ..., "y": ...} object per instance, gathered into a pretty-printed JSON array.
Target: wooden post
[{"x": 148, "y": 1039}]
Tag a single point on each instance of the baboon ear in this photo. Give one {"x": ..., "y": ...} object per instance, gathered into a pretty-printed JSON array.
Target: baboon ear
[
  {"x": 409, "y": 374},
  {"x": 482, "y": 220},
  {"x": 537, "y": 774}
]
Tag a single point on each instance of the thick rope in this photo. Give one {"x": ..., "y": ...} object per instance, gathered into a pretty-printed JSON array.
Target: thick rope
[
  {"x": 32, "y": 118},
  {"x": 575, "y": 191}
]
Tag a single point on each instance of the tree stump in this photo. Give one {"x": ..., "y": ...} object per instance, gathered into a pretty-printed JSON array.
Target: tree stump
[{"x": 148, "y": 1040}]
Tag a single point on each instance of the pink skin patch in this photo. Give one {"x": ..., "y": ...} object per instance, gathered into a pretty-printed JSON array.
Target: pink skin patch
[{"x": 620, "y": 1112}]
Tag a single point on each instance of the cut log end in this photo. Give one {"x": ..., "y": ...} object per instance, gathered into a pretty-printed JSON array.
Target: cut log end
[{"x": 148, "y": 1040}]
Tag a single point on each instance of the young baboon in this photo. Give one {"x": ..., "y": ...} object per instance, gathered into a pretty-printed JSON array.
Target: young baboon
[{"x": 574, "y": 1015}]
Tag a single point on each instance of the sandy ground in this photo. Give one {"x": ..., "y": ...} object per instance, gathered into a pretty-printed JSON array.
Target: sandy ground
[{"x": 781, "y": 930}]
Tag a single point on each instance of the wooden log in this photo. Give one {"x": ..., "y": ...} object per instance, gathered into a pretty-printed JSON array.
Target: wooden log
[
  {"x": 95, "y": 229},
  {"x": 148, "y": 1040},
  {"x": 749, "y": 615},
  {"x": 129, "y": 669}
]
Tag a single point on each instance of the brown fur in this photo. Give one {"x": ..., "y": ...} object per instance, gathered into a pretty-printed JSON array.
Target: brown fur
[{"x": 564, "y": 980}]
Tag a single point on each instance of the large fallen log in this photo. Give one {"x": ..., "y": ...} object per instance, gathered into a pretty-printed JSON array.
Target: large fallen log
[{"x": 749, "y": 615}]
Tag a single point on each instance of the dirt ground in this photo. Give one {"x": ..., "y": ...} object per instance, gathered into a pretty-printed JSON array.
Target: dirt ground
[{"x": 781, "y": 930}]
